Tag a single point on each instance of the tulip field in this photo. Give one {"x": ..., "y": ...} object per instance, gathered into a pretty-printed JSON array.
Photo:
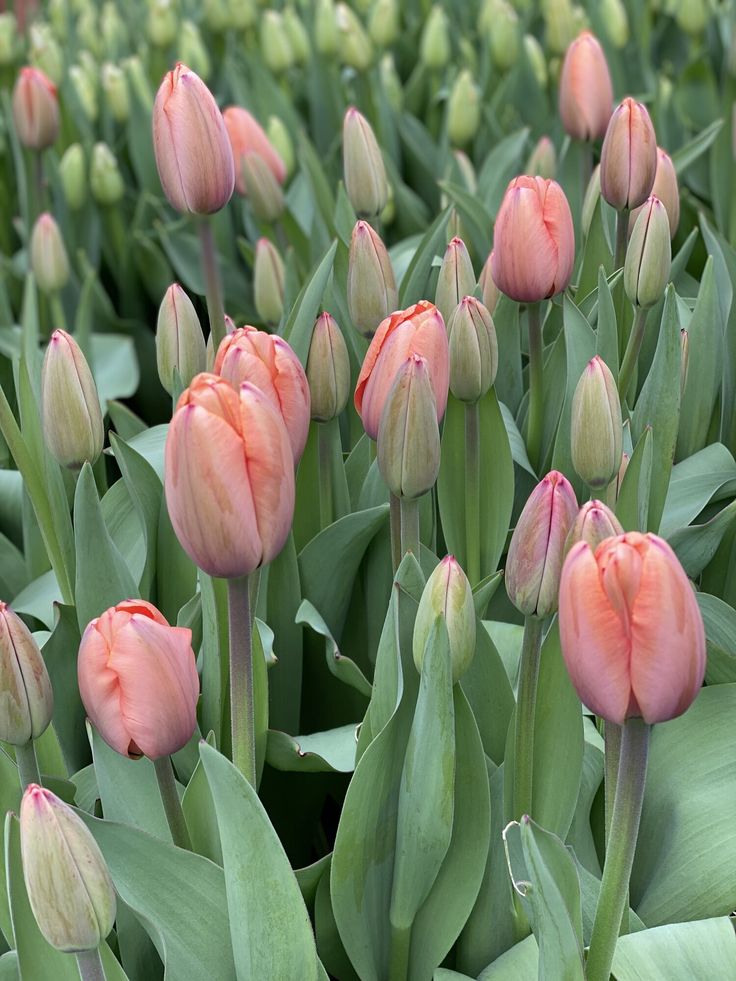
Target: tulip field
[{"x": 368, "y": 490}]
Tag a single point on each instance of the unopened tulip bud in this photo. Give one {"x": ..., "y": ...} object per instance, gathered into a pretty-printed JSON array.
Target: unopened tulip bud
[
  {"x": 247, "y": 136},
  {"x": 162, "y": 24},
  {"x": 648, "y": 256},
  {"x": 591, "y": 198},
  {"x": 365, "y": 174},
  {"x": 230, "y": 328},
  {"x": 73, "y": 176},
  {"x": 594, "y": 523},
  {"x": 138, "y": 80},
  {"x": 456, "y": 278},
  {"x": 193, "y": 51},
  {"x": 85, "y": 90},
  {"x": 297, "y": 35},
  {"x": 49, "y": 261},
  {"x": 383, "y": 25},
  {"x": 354, "y": 44},
  {"x": 666, "y": 189},
  {"x": 628, "y": 157},
  {"x": 193, "y": 154},
  {"x": 113, "y": 30},
  {"x": 45, "y": 52},
  {"x": 537, "y": 546},
  {"x": 35, "y": 109},
  {"x": 447, "y": 595},
  {"x": 66, "y": 877},
  {"x": 216, "y": 16},
  {"x": 280, "y": 140},
  {"x": 560, "y": 25},
  {"x": 391, "y": 82},
  {"x": 488, "y": 290},
  {"x": 115, "y": 88},
  {"x": 105, "y": 179},
  {"x": 409, "y": 436},
  {"x": 328, "y": 370},
  {"x": 543, "y": 159},
  {"x": 631, "y": 631},
  {"x": 263, "y": 189},
  {"x": 275, "y": 45},
  {"x": 180, "y": 343},
  {"x": 684, "y": 359},
  {"x": 325, "y": 28},
  {"x": 434, "y": 44},
  {"x": 596, "y": 431},
  {"x": 371, "y": 292},
  {"x": 586, "y": 91},
  {"x": 504, "y": 36},
  {"x": 463, "y": 109},
  {"x": 692, "y": 16},
  {"x": 26, "y": 697},
  {"x": 8, "y": 38},
  {"x": 536, "y": 58},
  {"x": 243, "y": 14},
  {"x": 473, "y": 350},
  {"x": 70, "y": 406},
  {"x": 616, "y": 22},
  {"x": 268, "y": 282}
]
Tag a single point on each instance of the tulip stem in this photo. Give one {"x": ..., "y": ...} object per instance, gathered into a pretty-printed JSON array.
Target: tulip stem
[
  {"x": 398, "y": 969},
  {"x": 172, "y": 804},
  {"x": 25, "y": 757},
  {"x": 632, "y": 352},
  {"x": 213, "y": 286},
  {"x": 242, "y": 709},
  {"x": 622, "y": 235},
  {"x": 325, "y": 475},
  {"x": 526, "y": 700},
  {"x": 472, "y": 492},
  {"x": 612, "y": 756},
  {"x": 535, "y": 422},
  {"x": 90, "y": 966},
  {"x": 58, "y": 317},
  {"x": 395, "y": 517},
  {"x": 410, "y": 527},
  {"x": 632, "y": 775}
]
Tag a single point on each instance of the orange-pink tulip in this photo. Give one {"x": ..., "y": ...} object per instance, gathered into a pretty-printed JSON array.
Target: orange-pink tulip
[
  {"x": 229, "y": 476},
  {"x": 191, "y": 145},
  {"x": 586, "y": 92},
  {"x": 268, "y": 362},
  {"x": 630, "y": 627},
  {"x": 665, "y": 188},
  {"x": 35, "y": 109},
  {"x": 533, "y": 240},
  {"x": 420, "y": 330},
  {"x": 248, "y": 136},
  {"x": 138, "y": 680},
  {"x": 628, "y": 156}
]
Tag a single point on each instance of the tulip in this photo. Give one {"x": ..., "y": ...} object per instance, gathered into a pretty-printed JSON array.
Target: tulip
[
  {"x": 456, "y": 278},
  {"x": 280, "y": 140},
  {"x": 473, "y": 350},
  {"x": 543, "y": 159},
  {"x": 354, "y": 45},
  {"x": 594, "y": 523},
  {"x": 297, "y": 35},
  {"x": 488, "y": 290},
  {"x": 372, "y": 293},
  {"x": 105, "y": 179},
  {"x": 247, "y": 136},
  {"x": 666, "y": 189},
  {"x": 586, "y": 91},
  {"x": 391, "y": 82},
  {"x": 537, "y": 545},
  {"x": 35, "y": 109},
  {"x": 417, "y": 330},
  {"x": 138, "y": 680},
  {"x": 275, "y": 44},
  {"x": 268, "y": 362},
  {"x": 70, "y": 406},
  {"x": 328, "y": 370},
  {"x": 628, "y": 157},
  {"x": 26, "y": 697},
  {"x": 45, "y": 53},
  {"x": 560, "y": 25},
  {"x": 434, "y": 44},
  {"x": 504, "y": 37},
  {"x": 384, "y": 24},
  {"x": 463, "y": 109},
  {"x": 630, "y": 628},
  {"x": 190, "y": 141},
  {"x": 85, "y": 90},
  {"x": 537, "y": 59},
  {"x": 648, "y": 256},
  {"x": 115, "y": 89},
  {"x": 534, "y": 220},
  {"x": 447, "y": 595},
  {"x": 596, "y": 430},
  {"x": 325, "y": 28},
  {"x": 268, "y": 282},
  {"x": 616, "y": 22},
  {"x": 8, "y": 38},
  {"x": 180, "y": 343},
  {"x": 49, "y": 261},
  {"x": 66, "y": 877},
  {"x": 162, "y": 25},
  {"x": 365, "y": 174},
  {"x": 73, "y": 176}
]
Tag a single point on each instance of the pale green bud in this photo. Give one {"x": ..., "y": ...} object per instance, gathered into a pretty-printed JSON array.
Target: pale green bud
[
  {"x": 560, "y": 24},
  {"x": 264, "y": 191},
  {"x": 216, "y": 16},
  {"x": 456, "y": 278},
  {"x": 649, "y": 255},
  {"x": 8, "y": 38},
  {"x": 384, "y": 23},
  {"x": 325, "y": 28},
  {"x": 363, "y": 167},
  {"x": 371, "y": 288},
  {"x": 88, "y": 31},
  {"x": 73, "y": 176},
  {"x": 473, "y": 350},
  {"x": 115, "y": 89},
  {"x": 391, "y": 82},
  {"x": 105, "y": 178},
  {"x": 45, "y": 53},
  {"x": 447, "y": 595},
  {"x": 113, "y": 30},
  {"x": 434, "y": 44},
  {"x": 616, "y": 21},
  {"x": 488, "y": 290},
  {"x": 275, "y": 45},
  {"x": 268, "y": 282},
  {"x": 596, "y": 429},
  {"x": 26, "y": 697},
  {"x": 139, "y": 83},
  {"x": 354, "y": 46},
  {"x": 535, "y": 55},
  {"x": 193, "y": 51},
  {"x": 85, "y": 91},
  {"x": 297, "y": 35},
  {"x": 70, "y": 407},
  {"x": 328, "y": 370},
  {"x": 279, "y": 136},
  {"x": 692, "y": 16},
  {"x": 163, "y": 23},
  {"x": 179, "y": 339},
  {"x": 49, "y": 261},
  {"x": 463, "y": 109},
  {"x": 542, "y": 160},
  {"x": 243, "y": 14},
  {"x": 504, "y": 36}
]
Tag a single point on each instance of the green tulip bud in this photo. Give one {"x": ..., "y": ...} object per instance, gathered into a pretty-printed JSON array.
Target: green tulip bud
[
  {"x": 26, "y": 697},
  {"x": 616, "y": 21},
  {"x": 85, "y": 91},
  {"x": 473, "y": 350},
  {"x": 279, "y": 136},
  {"x": 456, "y": 278},
  {"x": 447, "y": 595},
  {"x": 105, "y": 178},
  {"x": 264, "y": 191},
  {"x": 488, "y": 290},
  {"x": 297, "y": 35},
  {"x": 268, "y": 282},
  {"x": 503, "y": 37},
  {"x": 463, "y": 109},
  {"x": 216, "y": 16},
  {"x": 8, "y": 38},
  {"x": 384, "y": 23},
  {"x": 70, "y": 407},
  {"x": 193, "y": 51},
  {"x": 44, "y": 52},
  {"x": 354, "y": 45},
  {"x": 371, "y": 288},
  {"x": 113, "y": 30},
  {"x": 648, "y": 256},
  {"x": 163, "y": 23},
  {"x": 325, "y": 28},
  {"x": 594, "y": 523},
  {"x": 115, "y": 89},
  {"x": 596, "y": 433},
  {"x": 365, "y": 174},
  {"x": 543, "y": 160},
  {"x": 179, "y": 339},
  {"x": 536, "y": 58},
  {"x": 275, "y": 45},
  {"x": 243, "y": 14},
  {"x": 391, "y": 82},
  {"x": 434, "y": 44},
  {"x": 328, "y": 370},
  {"x": 692, "y": 16},
  {"x": 561, "y": 28},
  {"x": 73, "y": 176},
  {"x": 49, "y": 261},
  {"x": 138, "y": 80},
  {"x": 88, "y": 32}
]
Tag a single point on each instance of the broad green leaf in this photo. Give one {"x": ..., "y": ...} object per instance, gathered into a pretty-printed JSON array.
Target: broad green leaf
[
  {"x": 502, "y": 163},
  {"x": 299, "y": 326},
  {"x": 695, "y": 546},
  {"x": 329, "y": 946},
  {"x": 486, "y": 686},
  {"x": 199, "y": 812},
  {"x": 413, "y": 286},
  {"x": 60, "y": 655},
  {"x": 115, "y": 366},
  {"x": 632, "y": 505},
  {"x": 146, "y": 493},
  {"x": 677, "y": 952},
  {"x": 696, "y": 147},
  {"x": 319, "y": 752},
  {"x": 516, "y": 442},
  {"x": 694, "y": 482},
  {"x": 508, "y": 385},
  {"x": 606, "y": 335},
  {"x": 520, "y": 963},
  {"x": 340, "y": 666},
  {"x": 720, "y": 634}
]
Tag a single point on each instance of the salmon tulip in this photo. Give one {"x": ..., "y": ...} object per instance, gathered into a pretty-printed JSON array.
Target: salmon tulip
[
  {"x": 631, "y": 630},
  {"x": 533, "y": 241},
  {"x": 420, "y": 330},
  {"x": 586, "y": 92},
  {"x": 628, "y": 156},
  {"x": 138, "y": 680},
  {"x": 248, "y": 136},
  {"x": 229, "y": 476},
  {"x": 665, "y": 188},
  {"x": 35, "y": 109}
]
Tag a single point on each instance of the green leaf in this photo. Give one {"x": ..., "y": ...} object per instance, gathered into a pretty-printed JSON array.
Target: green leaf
[
  {"x": 677, "y": 952},
  {"x": 413, "y": 286},
  {"x": 283, "y": 599},
  {"x": 720, "y": 634},
  {"x": 695, "y": 546},
  {"x": 520, "y": 963},
  {"x": 476, "y": 220},
  {"x": 60, "y": 655},
  {"x": 300, "y": 324},
  {"x": 695, "y": 147},
  {"x": 343, "y": 668},
  {"x": 597, "y": 259},
  {"x": 332, "y": 751},
  {"x": 115, "y": 366},
  {"x": 486, "y": 686},
  {"x": 516, "y": 441},
  {"x": 146, "y": 493},
  {"x": 694, "y": 482},
  {"x": 606, "y": 335},
  {"x": 508, "y": 385},
  {"x": 269, "y": 925},
  {"x": 632, "y": 505},
  {"x": 501, "y": 164},
  {"x": 199, "y": 812}
]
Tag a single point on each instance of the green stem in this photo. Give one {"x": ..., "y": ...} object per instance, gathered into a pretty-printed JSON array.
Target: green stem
[
  {"x": 612, "y": 756},
  {"x": 586, "y": 168},
  {"x": 325, "y": 475},
  {"x": 536, "y": 400},
  {"x": 58, "y": 317},
  {"x": 242, "y": 709},
  {"x": 90, "y": 966},
  {"x": 172, "y": 804},
  {"x": 622, "y": 237},
  {"x": 526, "y": 700},
  {"x": 25, "y": 757},
  {"x": 621, "y": 847},
  {"x": 395, "y": 516},
  {"x": 398, "y": 969},
  {"x": 632, "y": 352},
  {"x": 213, "y": 285},
  {"x": 472, "y": 492},
  {"x": 38, "y": 192},
  {"x": 410, "y": 527}
]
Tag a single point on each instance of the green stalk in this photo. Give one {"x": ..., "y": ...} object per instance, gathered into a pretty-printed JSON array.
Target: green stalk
[
  {"x": 213, "y": 285},
  {"x": 622, "y": 236},
  {"x": 621, "y": 848},
  {"x": 90, "y": 966},
  {"x": 632, "y": 352},
  {"x": 526, "y": 701},
  {"x": 395, "y": 518},
  {"x": 25, "y": 757},
  {"x": 472, "y": 492},
  {"x": 410, "y": 527},
  {"x": 535, "y": 423},
  {"x": 325, "y": 475},
  {"x": 172, "y": 804},
  {"x": 398, "y": 969},
  {"x": 242, "y": 709},
  {"x": 612, "y": 757},
  {"x": 58, "y": 317}
]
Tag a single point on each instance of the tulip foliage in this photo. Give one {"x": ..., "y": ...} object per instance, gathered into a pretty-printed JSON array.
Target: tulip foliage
[{"x": 367, "y": 490}]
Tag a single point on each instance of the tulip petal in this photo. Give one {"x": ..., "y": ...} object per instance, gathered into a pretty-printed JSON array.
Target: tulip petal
[{"x": 99, "y": 688}]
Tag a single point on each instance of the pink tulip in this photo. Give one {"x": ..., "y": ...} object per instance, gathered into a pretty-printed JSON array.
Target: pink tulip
[
  {"x": 35, "y": 109},
  {"x": 586, "y": 92},
  {"x": 628, "y": 156},
  {"x": 248, "y": 136},
  {"x": 229, "y": 476},
  {"x": 138, "y": 680},
  {"x": 533, "y": 240},
  {"x": 420, "y": 330},
  {"x": 665, "y": 188},
  {"x": 268, "y": 362},
  {"x": 190, "y": 141},
  {"x": 630, "y": 627}
]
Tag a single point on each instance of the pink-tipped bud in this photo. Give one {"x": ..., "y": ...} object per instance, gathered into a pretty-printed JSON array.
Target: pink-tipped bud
[
  {"x": 26, "y": 698},
  {"x": 328, "y": 370},
  {"x": 49, "y": 261},
  {"x": 268, "y": 282},
  {"x": 537, "y": 546},
  {"x": 595, "y": 522},
  {"x": 246, "y": 135},
  {"x": 180, "y": 343},
  {"x": 628, "y": 157},
  {"x": 372, "y": 293},
  {"x": 666, "y": 189},
  {"x": 456, "y": 278},
  {"x": 473, "y": 350},
  {"x": 534, "y": 220},
  {"x": 489, "y": 292},
  {"x": 35, "y": 109},
  {"x": 365, "y": 174},
  {"x": 586, "y": 92},
  {"x": 447, "y": 595},
  {"x": 70, "y": 406},
  {"x": 648, "y": 255},
  {"x": 542, "y": 161},
  {"x": 596, "y": 428},
  {"x": 192, "y": 148}
]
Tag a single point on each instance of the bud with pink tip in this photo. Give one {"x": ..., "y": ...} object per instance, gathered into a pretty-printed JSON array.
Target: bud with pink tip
[
  {"x": 49, "y": 261},
  {"x": 26, "y": 698},
  {"x": 248, "y": 136},
  {"x": 180, "y": 343},
  {"x": 594, "y": 523},
  {"x": 665, "y": 188},
  {"x": 70, "y": 406},
  {"x": 586, "y": 92},
  {"x": 456, "y": 278},
  {"x": 365, "y": 174},
  {"x": 596, "y": 428},
  {"x": 447, "y": 595},
  {"x": 489, "y": 292},
  {"x": 35, "y": 109},
  {"x": 372, "y": 293},
  {"x": 328, "y": 369},
  {"x": 628, "y": 157},
  {"x": 542, "y": 161}
]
